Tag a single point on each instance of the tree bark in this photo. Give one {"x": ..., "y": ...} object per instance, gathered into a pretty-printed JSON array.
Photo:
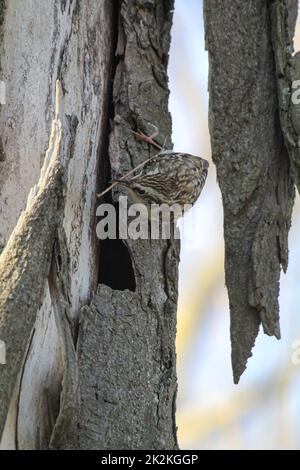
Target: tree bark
[
  {"x": 89, "y": 365},
  {"x": 252, "y": 165}
]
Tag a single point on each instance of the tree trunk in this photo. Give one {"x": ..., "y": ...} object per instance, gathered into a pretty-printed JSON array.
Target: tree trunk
[
  {"x": 252, "y": 163},
  {"x": 89, "y": 327}
]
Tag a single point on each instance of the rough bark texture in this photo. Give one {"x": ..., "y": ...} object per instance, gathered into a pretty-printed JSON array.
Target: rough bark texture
[
  {"x": 292, "y": 7},
  {"x": 130, "y": 388},
  {"x": 252, "y": 166},
  {"x": 98, "y": 376},
  {"x": 131, "y": 376},
  {"x": 288, "y": 74}
]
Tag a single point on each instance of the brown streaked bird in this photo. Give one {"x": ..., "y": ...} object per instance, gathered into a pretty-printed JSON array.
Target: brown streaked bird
[{"x": 169, "y": 178}]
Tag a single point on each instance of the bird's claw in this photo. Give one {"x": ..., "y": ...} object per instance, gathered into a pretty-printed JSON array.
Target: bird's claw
[{"x": 149, "y": 139}]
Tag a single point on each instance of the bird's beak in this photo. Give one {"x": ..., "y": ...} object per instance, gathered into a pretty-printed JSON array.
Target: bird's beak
[{"x": 205, "y": 164}]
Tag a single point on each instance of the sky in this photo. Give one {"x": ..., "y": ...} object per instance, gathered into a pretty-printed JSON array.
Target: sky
[{"x": 212, "y": 413}]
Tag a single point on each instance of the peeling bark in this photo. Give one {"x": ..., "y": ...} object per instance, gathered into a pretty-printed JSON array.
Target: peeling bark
[
  {"x": 252, "y": 167},
  {"x": 71, "y": 41},
  {"x": 28, "y": 252}
]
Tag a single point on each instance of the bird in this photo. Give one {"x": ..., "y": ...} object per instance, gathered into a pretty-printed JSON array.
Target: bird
[{"x": 167, "y": 178}]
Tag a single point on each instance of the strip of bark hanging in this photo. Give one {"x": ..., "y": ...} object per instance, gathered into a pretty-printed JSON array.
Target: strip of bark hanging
[
  {"x": 25, "y": 263},
  {"x": 252, "y": 167}
]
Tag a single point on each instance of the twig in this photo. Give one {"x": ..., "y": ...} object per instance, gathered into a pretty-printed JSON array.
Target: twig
[
  {"x": 115, "y": 183},
  {"x": 150, "y": 141}
]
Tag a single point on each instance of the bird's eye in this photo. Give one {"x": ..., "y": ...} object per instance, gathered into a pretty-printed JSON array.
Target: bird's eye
[{"x": 140, "y": 191}]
